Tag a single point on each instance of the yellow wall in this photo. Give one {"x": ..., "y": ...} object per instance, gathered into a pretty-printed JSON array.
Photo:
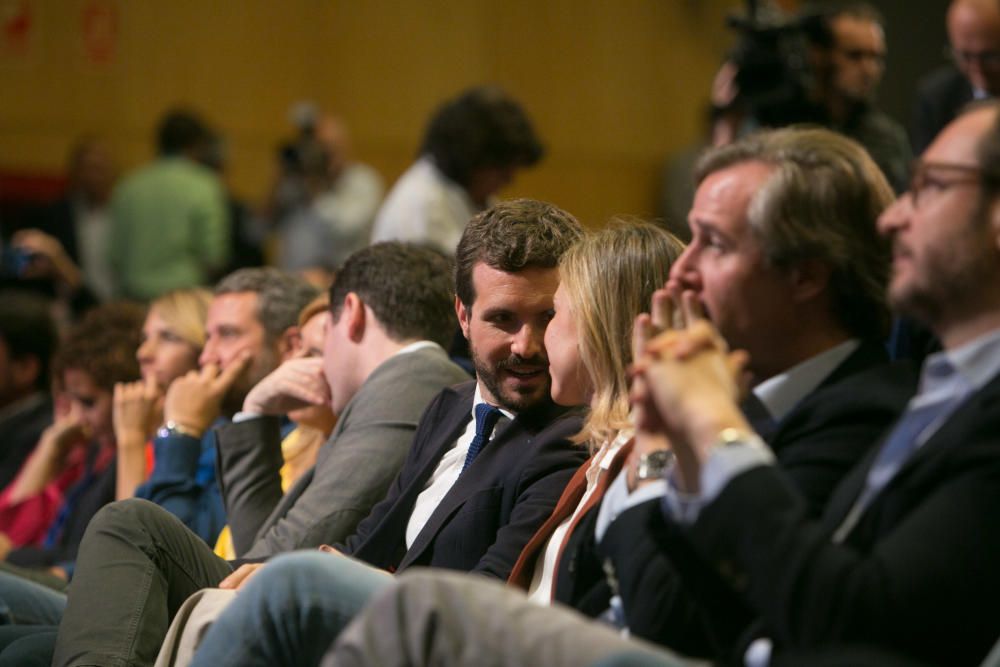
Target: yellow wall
[{"x": 613, "y": 86}]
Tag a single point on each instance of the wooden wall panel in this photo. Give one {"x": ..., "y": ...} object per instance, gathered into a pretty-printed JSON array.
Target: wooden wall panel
[{"x": 613, "y": 86}]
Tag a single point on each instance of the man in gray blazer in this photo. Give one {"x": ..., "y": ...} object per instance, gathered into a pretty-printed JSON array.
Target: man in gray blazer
[{"x": 381, "y": 375}]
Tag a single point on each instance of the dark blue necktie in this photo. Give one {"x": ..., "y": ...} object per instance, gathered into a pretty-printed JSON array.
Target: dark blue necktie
[{"x": 486, "y": 419}]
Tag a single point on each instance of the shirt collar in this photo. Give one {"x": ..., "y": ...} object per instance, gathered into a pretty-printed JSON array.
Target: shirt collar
[
  {"x": 977, "y": 362},
  {"x": 478, "y": 398},
  {"x": 782, "y": 392},
  {"x": 418, "y": 345}
]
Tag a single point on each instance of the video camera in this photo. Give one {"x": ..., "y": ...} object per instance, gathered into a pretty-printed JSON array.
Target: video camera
[{"x": 774, "y": 76}]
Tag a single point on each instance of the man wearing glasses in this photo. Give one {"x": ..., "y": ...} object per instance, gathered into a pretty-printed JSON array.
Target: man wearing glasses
[{"x": 974, "y": 38}]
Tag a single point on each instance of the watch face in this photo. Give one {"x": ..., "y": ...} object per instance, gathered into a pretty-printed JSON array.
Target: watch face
[{"x": 653, "y": 464}]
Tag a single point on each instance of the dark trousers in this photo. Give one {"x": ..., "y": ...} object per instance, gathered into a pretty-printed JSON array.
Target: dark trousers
[{"x": 137, "y": 564}]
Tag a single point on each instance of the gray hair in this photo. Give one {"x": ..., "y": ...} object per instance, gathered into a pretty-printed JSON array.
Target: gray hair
[{"x": 280, "y": 296}]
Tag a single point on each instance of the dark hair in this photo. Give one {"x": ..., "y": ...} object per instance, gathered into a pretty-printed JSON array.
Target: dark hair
[
  {"x": 280, "y": 296},
  {"x": 407, "y": 286},
  {"x": 512, "y": 236},
  {"x": 103, "y": 344},
  {"x": 482, "y": 127},
  {"x": 181, "y": 130},
  {"x": 817, "y": 24},
  {"x": 27, "y": 328}
]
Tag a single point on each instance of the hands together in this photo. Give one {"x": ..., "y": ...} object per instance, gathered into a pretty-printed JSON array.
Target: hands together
[{"x": 686, "y": 384}]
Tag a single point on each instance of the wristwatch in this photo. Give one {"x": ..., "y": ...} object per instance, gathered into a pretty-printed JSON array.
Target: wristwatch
[
  {"x": 653, "y": 464},
  {"x": 170, "y": 427}
]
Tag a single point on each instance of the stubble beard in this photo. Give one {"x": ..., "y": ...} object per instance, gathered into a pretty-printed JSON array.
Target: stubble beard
[{"x": 489, "y": 375}]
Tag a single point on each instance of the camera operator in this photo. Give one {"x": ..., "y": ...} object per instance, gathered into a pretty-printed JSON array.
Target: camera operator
[{"x": 830, "y": 80}]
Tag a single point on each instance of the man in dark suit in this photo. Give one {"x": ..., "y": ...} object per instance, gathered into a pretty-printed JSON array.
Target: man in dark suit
[
  {"x": 974, "y": 35},
  {"x": 903, "y": 559}
]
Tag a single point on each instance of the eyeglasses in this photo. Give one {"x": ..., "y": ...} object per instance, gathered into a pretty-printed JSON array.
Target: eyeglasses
[
  {"x": 936, "y": 177},
  {"x": 986, "y": 59}
]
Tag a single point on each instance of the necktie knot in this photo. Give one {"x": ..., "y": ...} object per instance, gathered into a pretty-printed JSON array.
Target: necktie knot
[{"x": 486, "y": 419}]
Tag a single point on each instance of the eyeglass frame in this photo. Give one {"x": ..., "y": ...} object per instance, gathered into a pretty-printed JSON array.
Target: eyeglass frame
[{"x": 973, "y": 175}]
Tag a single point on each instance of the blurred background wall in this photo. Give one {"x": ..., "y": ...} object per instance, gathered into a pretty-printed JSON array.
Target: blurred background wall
[{"x": 614, "y": 87}]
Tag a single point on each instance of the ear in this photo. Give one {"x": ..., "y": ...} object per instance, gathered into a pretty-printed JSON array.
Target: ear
[
  {"x": 354, "y": 311},
  {"x": 289, "y": 343},
  {"x": 464, "y": 316},
  {"x": 809, "y": 278}
]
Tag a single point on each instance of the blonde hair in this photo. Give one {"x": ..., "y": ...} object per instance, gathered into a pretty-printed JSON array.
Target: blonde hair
[
  {"x": 610, "y": 277},
  {"x": 185, "y": 311}
]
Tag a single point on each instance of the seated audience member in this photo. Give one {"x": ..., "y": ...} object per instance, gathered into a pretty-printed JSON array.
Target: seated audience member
[
  {"x": 973, "y": 28},
  {"x": 605, "y": 281},
  {"x": 472, "y": 147},
  {"x": 71, "y": 472},
  {"x": 250, "y": 328},
  {"x": 767, "y": 268},
  {"x": 172, "y": 338},
  {"x": 27, "y": 342},
  {"x": 313, "y": 423},
  {"x": 505, "y": 279},
  {"x": 868, "y": 577}
]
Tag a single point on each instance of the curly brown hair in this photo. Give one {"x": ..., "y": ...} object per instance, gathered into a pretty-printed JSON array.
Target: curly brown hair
[{"x": 103, "y": 345}]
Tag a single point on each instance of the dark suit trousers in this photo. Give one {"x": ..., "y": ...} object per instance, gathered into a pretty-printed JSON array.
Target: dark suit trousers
[{"x": 137, "y": 565}]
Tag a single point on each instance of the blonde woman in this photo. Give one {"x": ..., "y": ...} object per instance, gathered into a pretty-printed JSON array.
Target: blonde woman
[
  {"x": 605, "y": 281},
  {"x": 172, "y": 337}
]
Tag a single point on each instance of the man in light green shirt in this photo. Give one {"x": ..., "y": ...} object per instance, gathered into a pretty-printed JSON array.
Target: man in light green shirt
[{"x": 169, "y": 223}]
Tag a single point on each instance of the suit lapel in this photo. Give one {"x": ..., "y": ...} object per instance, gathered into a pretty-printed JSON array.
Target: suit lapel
[
  {"x": 951, "y": 434},
  {"x": 475, "y": 479},
  {"x": 451, "y": 427},
  {"x": 864, "y": 357},
  {"x": 523, "y": 570}
]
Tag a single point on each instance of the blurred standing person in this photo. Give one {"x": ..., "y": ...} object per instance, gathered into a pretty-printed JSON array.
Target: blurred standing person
[
  {"x": 169, "y": 226},
  {"x": 845, "y": 54},
  {"x": 472, "y": 147},
  {"x": 66, "y": 241},
  {"x": 974, "y": 46},
  {"x": 338, "y": 198}
]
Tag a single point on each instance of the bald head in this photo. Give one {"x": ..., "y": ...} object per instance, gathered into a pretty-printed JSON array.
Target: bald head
[{"x": 974, "y": 33}]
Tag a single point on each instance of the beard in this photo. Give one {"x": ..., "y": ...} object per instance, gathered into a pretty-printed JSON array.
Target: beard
[
  {"x": 947, "y": 278},
  {"x": 513, "y": 399},
  {"x": 262, "y": 364}
]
